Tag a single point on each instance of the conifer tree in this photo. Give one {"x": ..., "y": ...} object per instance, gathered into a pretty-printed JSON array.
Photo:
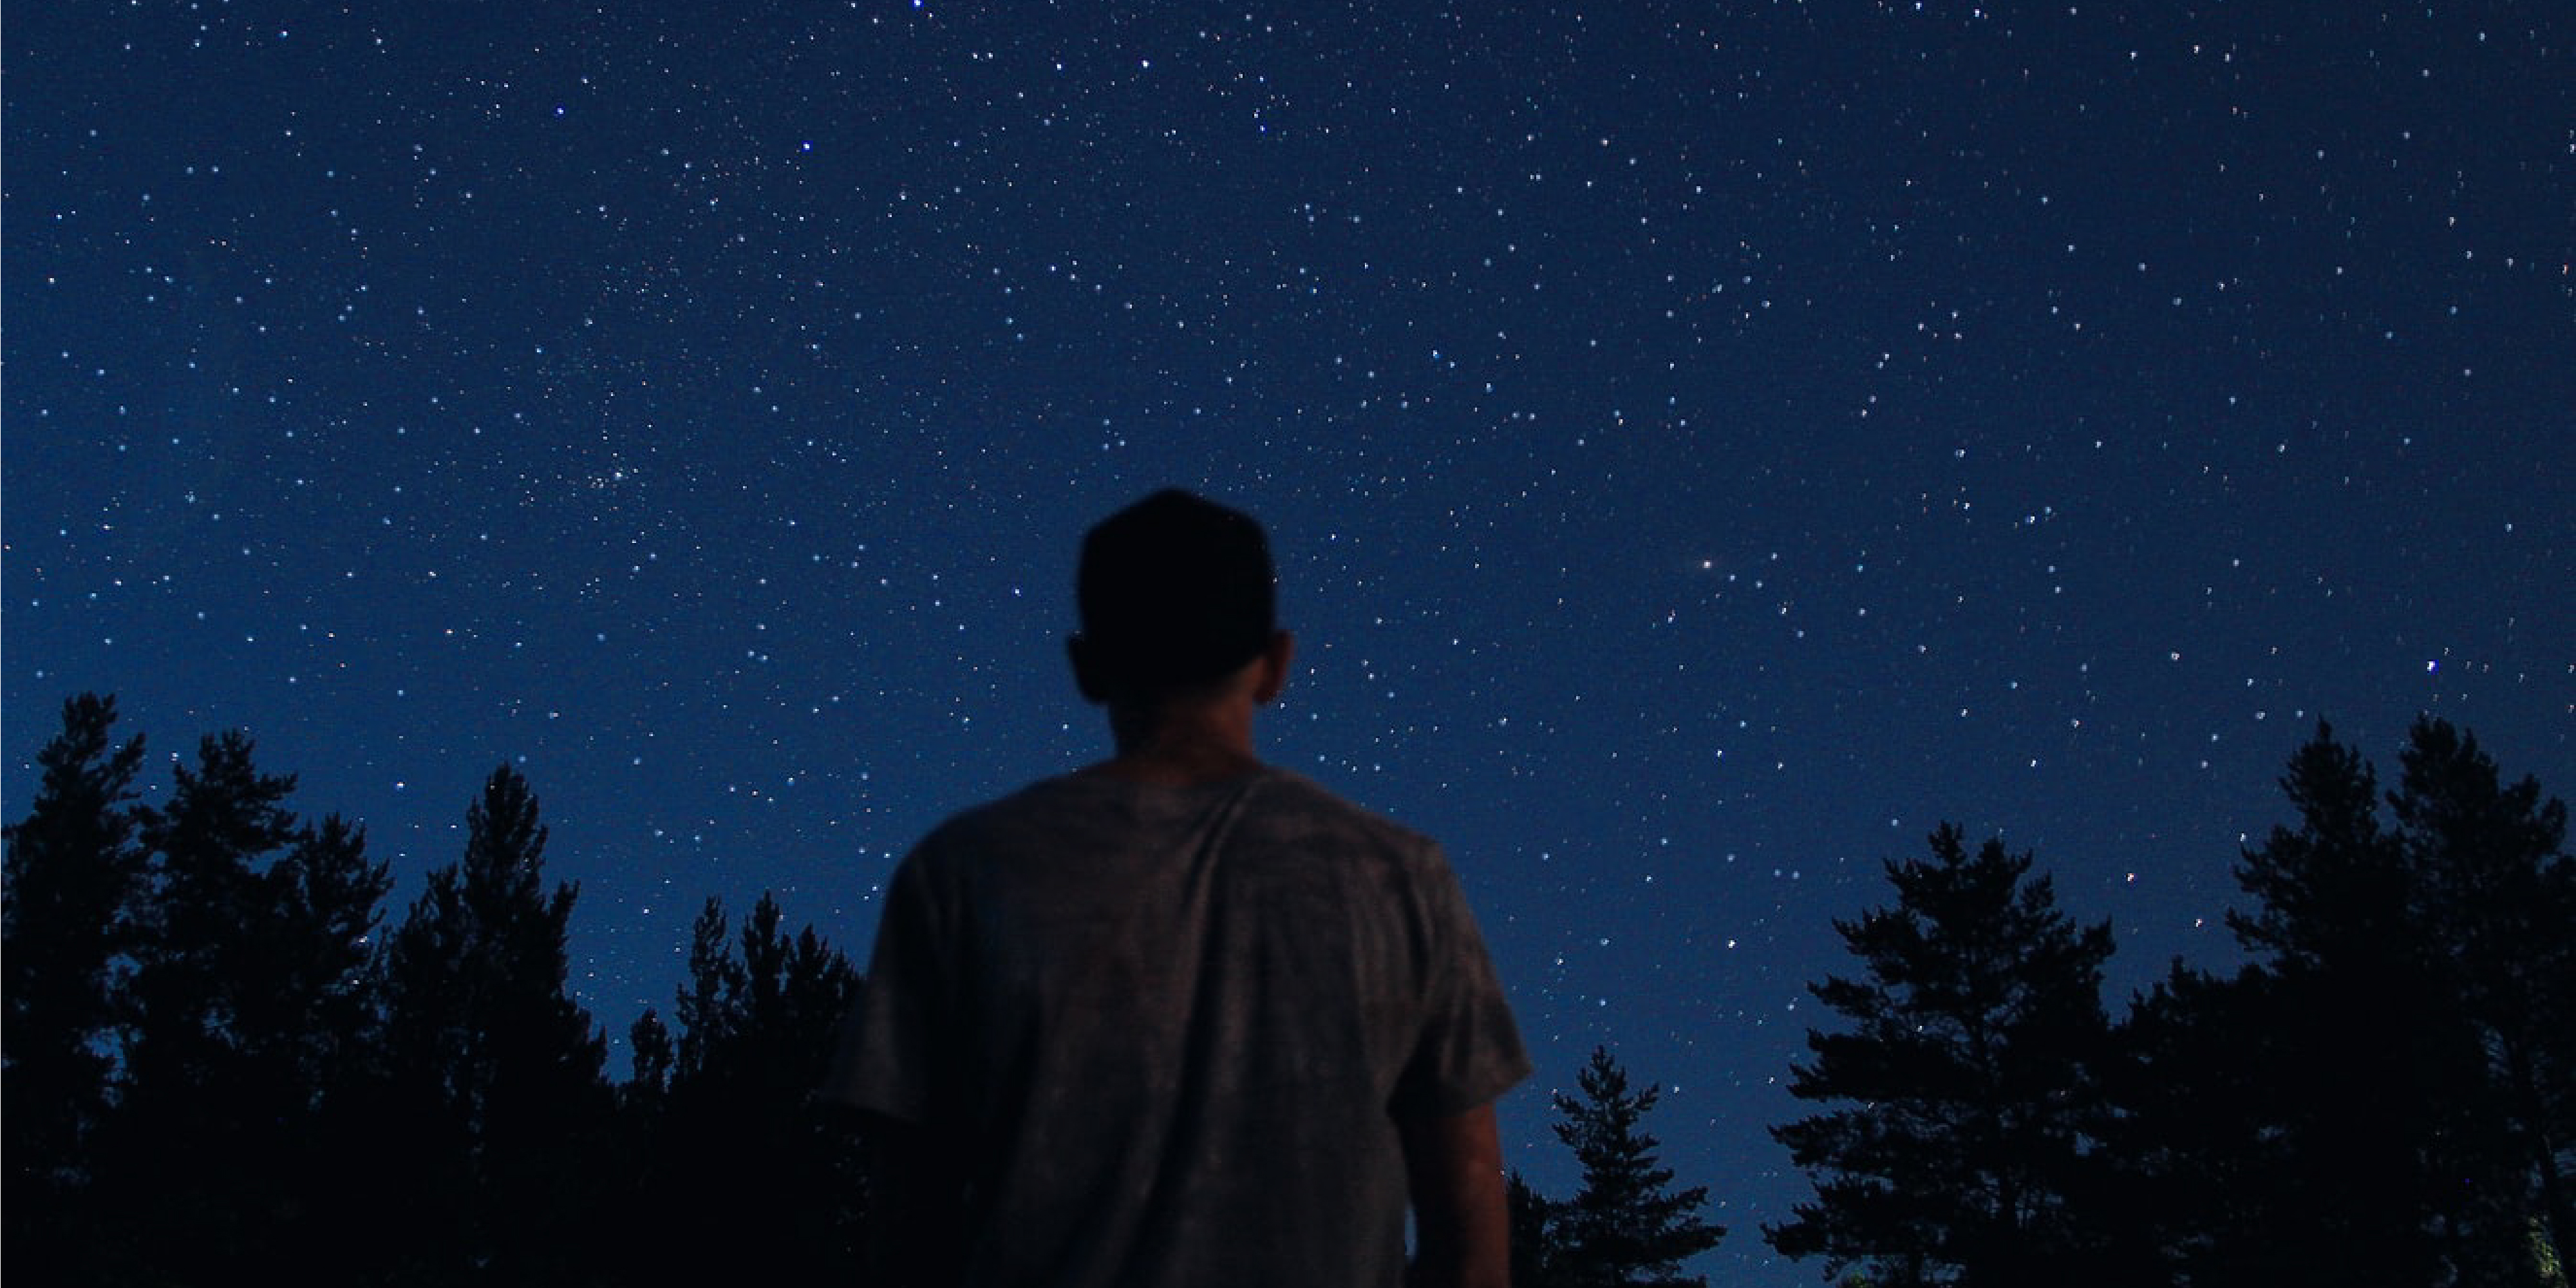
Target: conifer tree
[
  {"x": 250, "y": 1008},
  {"x": 207, "y": 908},
  {"x": 710, "y": 1003},
  {"x": 327, "y": 898},
  {"x": 1625, "y": 1226},
  {"x": 497, "y": 1072},
  {"x": 743, "y": 1139},
  {"x": 201, "y": 1084},
  {"x": 650, "y": 1056},
  {"x": 1533, "y": 1245},
  {"x": 766, "y": 1008},
  {"x": 2379, "y": 1102},
  {"x": 2200, "y": 1168},
  {"x": 2331, "y": 893},
  {"x": 1966, "y": 1076},
  {"x": 320, "y": 1015},
  {"x": 2497, "y": 892},
  {"x": 2368, "y": 1101},
  {"x": 72, "y": 869}
]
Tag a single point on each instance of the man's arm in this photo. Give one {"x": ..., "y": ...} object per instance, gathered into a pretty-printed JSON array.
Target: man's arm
[
  {"x": 916, "y": 1206},
  {"x": 1461, "y": 1221}
]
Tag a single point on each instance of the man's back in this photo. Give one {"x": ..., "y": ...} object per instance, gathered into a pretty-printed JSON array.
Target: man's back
[{"x": 1174, "y": 1028}]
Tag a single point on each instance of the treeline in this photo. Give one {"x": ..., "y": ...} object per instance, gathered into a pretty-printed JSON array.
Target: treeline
[
  {"x": 221, "y": 1069},
  {"x": 2385, "y": 1094},
  {"x": 219, "y": 1065}
]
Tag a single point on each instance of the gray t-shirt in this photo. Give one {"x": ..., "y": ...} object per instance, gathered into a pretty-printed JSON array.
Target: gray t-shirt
[{"x": 1170, "y": 1028}]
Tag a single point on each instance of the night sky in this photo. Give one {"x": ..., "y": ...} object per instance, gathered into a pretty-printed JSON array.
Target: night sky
[{"x": 1706, "y": 446}]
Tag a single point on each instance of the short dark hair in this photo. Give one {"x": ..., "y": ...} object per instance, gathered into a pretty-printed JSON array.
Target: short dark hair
[{"x": 1175, "y": 591}]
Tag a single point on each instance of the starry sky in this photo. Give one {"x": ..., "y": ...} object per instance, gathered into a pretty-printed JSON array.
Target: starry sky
[{"x": 1706, "y": 446}]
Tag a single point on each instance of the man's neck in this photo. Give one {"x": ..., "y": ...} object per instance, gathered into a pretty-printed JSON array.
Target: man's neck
[{"x": 1182, "y": 749}]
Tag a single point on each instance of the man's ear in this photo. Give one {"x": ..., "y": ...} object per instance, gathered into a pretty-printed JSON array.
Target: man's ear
[
  {"x": 1275, "y": 657},
  {"x": 1086, "y": 672}
]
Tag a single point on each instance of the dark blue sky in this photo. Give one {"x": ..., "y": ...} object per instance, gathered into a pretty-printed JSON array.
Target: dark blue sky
[{"x": 1706, "y": 446}]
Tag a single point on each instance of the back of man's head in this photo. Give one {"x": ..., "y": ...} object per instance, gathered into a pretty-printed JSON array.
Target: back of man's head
[{"x": 1175, "y": 591}]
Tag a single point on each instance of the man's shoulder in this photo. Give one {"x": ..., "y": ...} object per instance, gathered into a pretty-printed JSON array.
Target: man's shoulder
[
  {"x": 1272, "y": 795},
  {"x": 1296, "y": 801},
  {"x": 1272, "y": 810},
  {"x": 1047, "y": 802}
]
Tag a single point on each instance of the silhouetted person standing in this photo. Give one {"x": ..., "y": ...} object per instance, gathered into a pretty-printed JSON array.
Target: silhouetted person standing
[{"x": 1180, "y": 1018}]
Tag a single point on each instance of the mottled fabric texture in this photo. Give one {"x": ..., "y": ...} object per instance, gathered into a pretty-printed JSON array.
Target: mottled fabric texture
[{"x": 1171, "y": 1028}]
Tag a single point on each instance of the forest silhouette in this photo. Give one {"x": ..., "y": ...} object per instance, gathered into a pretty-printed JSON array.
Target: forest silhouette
[{"x": 224, "y": 1062}]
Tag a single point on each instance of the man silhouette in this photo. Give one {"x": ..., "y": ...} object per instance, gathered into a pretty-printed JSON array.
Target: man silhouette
[{"x": 1180, "y": 1018}]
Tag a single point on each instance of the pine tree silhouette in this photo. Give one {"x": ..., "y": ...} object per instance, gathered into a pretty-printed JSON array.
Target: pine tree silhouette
[
  {"x": 250, "y": 1010},
  {"x": 2381, "y": 1096},
  {"x": 1625, "y": 1226},
  {"x": 495, "y": 1070},
  {"x": 73, "y": 868},
  {"x": 738, "y": 1137},
  {"x": 2497, "y": 890},
  {"x": 1966, "y": 1074}
]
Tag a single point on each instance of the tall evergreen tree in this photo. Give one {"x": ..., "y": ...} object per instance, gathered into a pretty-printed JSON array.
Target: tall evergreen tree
[
  {"x": 1968, "y": 1075},
  {"x": 200, "y": 1087},
  {"x": 250, "y": 1009},
  {"x": 496, "y": 1071},
  {"x": 2205, "y": 1175},
  {"x": 1625, "y": 1226},
  {"x": 207, "y": 909},
  {"x": 710, "y": 1003},
  {"x": 1529, "y": 1217},
  {"x": 2381, "y": 1101},
  {"x": 2331, "y": 892},
  {"x": 72, "y": 869},
  {"x": 742, "y": 1137},
  {"x": 324, "y": 1008},
  {"x": 769, "y": 1010},
  {"x": 2496, "y": 893},
  {"x": 650, "y": 1055},
  {"x": 2369, "y": 1101},
  {"x": 325, "y": 901}
]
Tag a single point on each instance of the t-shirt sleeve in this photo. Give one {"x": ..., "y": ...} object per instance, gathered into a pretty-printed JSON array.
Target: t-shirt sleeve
[
  {"x": 891, "y": 1048},
  {"x": 1469, "y": 1051}
]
